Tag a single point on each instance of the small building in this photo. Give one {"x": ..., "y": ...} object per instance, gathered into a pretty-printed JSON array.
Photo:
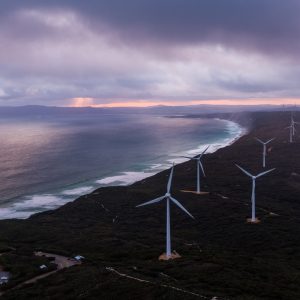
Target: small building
[
  {"x": 4, "y": 277},
  {"x": 43, "y": 267},
  {"x": 78, "y": 257}
]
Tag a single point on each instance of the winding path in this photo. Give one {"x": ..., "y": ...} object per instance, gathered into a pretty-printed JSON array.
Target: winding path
[{"x": 112, "y": 270}]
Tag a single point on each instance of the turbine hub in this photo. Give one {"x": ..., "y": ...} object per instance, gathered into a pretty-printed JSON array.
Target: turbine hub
[{"x": 167, "y": 195}]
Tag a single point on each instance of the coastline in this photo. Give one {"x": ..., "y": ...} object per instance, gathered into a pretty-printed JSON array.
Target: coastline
[
  {"x": 217, "y": 248},
  {"x": 48, "y": 201},
  {"x": 217, "y": 145}
]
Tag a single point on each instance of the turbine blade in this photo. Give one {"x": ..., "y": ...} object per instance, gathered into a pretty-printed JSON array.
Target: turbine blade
[
  {"x": 152, "y": 201},
  {"x": 267, "y": 142},
  {"x": 204, "y": 151},
  {"x": 170, "y": 180},
  {"x": 247, "y": 173},
  {"x": 202, "y": 168},
  {"x": 259, "y": 140},
  {"x": 182, "y": 208},
  {"x": 264, "y": 173}
]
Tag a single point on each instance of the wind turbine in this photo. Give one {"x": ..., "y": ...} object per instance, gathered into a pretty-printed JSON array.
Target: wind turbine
[
  {"x": 253, "y": 217},
  {"x": 168, "y": 198},
  {"x": 199, "y": 165},
  {"x": 293, "y": 123},
  {"x": 264, "y": 149},
  {"x": 292, "y": 128}
]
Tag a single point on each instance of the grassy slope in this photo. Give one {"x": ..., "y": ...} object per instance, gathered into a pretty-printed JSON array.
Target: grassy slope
[{"x": 222, "y": 255}]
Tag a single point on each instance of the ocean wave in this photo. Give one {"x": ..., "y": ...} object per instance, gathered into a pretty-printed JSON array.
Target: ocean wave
[
  {"x": 78, "y": 191},
  {"x": 156, "y": 166},
  {"x": 235, "y": 130},
  {"x": 11, "y": 213},
  {"x": 31, "y": 205},
  {"x": 37, "y": 203},
  {"x": 125, "y": 178}
]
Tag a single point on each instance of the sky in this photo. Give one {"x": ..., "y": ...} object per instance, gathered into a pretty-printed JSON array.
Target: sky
[{"x": 149, "y": 52}]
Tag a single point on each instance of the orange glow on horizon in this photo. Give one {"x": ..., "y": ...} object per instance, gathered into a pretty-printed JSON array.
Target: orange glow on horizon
[
  {"x": 82, "y": 102},
  {"x": 90, "y": 102}
]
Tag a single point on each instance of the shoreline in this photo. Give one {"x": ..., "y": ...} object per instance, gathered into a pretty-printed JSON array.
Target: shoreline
[
  {"x": 222, "y": 255},
  {"x": 38, "y": 203}
]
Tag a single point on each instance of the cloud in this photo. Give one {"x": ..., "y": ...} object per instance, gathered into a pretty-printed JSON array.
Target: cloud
[
  {"x": 129, "y": 51},
  {"x": 271, "y": 25}
]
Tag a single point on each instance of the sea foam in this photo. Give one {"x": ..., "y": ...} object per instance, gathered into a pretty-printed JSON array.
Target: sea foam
[{"x": 125, "y": 178}]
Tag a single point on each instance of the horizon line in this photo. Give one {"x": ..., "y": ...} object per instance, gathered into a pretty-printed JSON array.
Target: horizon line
[{"x": 141, "y": 103}]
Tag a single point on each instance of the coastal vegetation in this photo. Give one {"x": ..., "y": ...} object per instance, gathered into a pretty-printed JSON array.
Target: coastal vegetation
[{"x": 222, "y": 255}]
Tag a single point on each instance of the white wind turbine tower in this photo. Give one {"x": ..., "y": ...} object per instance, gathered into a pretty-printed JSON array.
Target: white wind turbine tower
[
  {"x": 199, "y": 165},
  {"x": 292, "y": 129},
  {"x": 253, "y": 216},
  {"x": 168, "y": 198},
  {"x": 264, "y": 149}
]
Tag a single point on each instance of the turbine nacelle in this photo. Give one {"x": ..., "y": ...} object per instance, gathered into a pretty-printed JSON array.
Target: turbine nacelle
[
  {"x": 254, "y": 176},
  {"x": 265, "y": 143},
  {"x": 197, "y": 157},
  {"x": 167, "y": 196}
]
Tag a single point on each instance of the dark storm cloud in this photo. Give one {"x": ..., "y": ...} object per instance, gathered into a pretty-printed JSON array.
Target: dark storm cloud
[
  {"x": 154, "y": 49},
  {"x": 268, "y": 25}
]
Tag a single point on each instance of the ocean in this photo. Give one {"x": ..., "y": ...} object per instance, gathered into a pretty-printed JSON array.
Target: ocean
[{"x": 46, "y": 162}]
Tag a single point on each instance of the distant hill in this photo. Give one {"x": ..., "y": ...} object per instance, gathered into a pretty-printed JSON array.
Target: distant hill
[{"x": 36, "y": 110}]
